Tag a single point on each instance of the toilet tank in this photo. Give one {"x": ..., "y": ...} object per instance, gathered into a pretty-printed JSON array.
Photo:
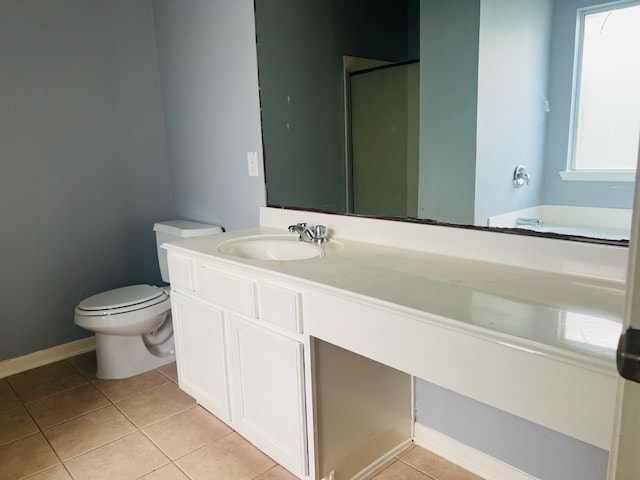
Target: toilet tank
[{"x": 173, "y": 230}]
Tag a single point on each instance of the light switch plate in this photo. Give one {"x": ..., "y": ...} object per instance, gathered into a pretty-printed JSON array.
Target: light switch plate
[{"x": 252, "y": 163}]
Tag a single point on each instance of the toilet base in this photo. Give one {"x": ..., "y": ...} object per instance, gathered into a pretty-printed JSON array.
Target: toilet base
[{"x": 121, "y": 356}]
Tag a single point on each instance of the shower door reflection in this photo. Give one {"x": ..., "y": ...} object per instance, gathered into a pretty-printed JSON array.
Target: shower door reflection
[{"x": 383, "y": 119}]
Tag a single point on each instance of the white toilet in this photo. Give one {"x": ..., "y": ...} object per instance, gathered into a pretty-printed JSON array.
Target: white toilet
[{"x": 132, "y": 324}]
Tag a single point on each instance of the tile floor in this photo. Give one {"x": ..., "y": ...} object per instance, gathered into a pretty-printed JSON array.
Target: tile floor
[{"x": 60, "y": 422}]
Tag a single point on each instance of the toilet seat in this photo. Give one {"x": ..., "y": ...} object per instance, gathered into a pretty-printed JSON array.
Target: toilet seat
[{"x": 122, "y": 300}]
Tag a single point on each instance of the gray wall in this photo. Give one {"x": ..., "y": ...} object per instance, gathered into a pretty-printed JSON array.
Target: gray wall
[
  {"x": 524, "y": 57},
  {"x": 536, "y": 450},
  {"x": 84, "y": 167},
  {"x": 84, "y": 154},
  {"x": 448, "y": 98},
  {"x": 208, "y": 72},
  {"x": 483, "y": 92},
  {"x": 558, "y": 192},
  {"x": 512, "y": 88}
]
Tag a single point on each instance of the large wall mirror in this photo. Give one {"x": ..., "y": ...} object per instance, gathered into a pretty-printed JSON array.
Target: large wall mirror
[{"x": 458, "y": 111}]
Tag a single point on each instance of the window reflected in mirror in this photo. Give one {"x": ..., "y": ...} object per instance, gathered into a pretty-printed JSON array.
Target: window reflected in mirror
[{"x": 607, "y": 90}]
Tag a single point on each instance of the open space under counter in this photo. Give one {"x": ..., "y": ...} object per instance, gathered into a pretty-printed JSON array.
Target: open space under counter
[{"x": 537, "y": 344}]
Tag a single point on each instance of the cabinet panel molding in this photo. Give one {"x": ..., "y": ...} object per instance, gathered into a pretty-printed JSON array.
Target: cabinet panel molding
[
  {"x": 181, "y": 272},
  {"x": 280, "y": 306},
  {"x": 227, "y": 290},
  {"x": 267, "y": 387},
  {"x": 200, "y": 354}
]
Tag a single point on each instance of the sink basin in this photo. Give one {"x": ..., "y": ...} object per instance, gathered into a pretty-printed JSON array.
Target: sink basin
[{"x": 271, "y": 247}]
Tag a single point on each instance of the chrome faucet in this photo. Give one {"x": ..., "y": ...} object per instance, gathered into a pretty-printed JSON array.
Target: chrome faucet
[
  {"x": 521, "y": 176},
  {"x": 318, "y": 235}
]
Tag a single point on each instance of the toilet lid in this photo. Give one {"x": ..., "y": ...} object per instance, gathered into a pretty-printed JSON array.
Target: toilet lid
[{"x": 123, "y": 297}]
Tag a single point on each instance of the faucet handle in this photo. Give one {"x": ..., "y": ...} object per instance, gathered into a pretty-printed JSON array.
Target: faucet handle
[
  {"x": 521, "y": 176},
  {"x": 320, "y": 234},
  {"x": 297, "y": 227}
]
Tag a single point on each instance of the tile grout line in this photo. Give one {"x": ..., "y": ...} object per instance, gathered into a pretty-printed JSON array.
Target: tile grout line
[
  {"x": 41, "y": 432},
  {"x": 109, "y": 402},
  {"x": 267, "y": 470},
  {"x": 129, "y": 396},
  {"x": 173, "y": 461},
  {"x": 137, "y": 428},
  {"x": 140, "y": 429},
  {"x": 381, "y": 469},
  {"x": 23, "y": 436},
  {"x": 49, "y": 395},
  {"x": 417, "y": 469},
  {"x": 26, "y": 405}
]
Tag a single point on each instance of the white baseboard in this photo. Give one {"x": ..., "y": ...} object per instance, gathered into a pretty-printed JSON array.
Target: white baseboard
[
  {"x": 382, "y": 460},
  {"x": 466, "y": 457},
  {"x": 44, "y": 357}
]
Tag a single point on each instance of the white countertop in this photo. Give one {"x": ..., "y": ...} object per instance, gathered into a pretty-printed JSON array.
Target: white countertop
[{"x": 537, "y": 309}]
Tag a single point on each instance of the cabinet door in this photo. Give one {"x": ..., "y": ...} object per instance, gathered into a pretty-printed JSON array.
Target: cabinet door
[
  {"x": 267, "y": 389},
  {"x": 200, "y": 354}
]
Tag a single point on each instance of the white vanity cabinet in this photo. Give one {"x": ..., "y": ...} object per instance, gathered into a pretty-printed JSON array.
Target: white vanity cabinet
[
  {"x": 314, "y": 361},
  {"x": 240, "y": 353}
]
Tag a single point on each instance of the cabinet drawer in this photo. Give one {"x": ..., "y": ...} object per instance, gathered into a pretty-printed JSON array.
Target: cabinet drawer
[
  {"x": 280, "y": 306},
  {"x": 181, "y": 273},
  {"x": 227, "y": 290}
]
